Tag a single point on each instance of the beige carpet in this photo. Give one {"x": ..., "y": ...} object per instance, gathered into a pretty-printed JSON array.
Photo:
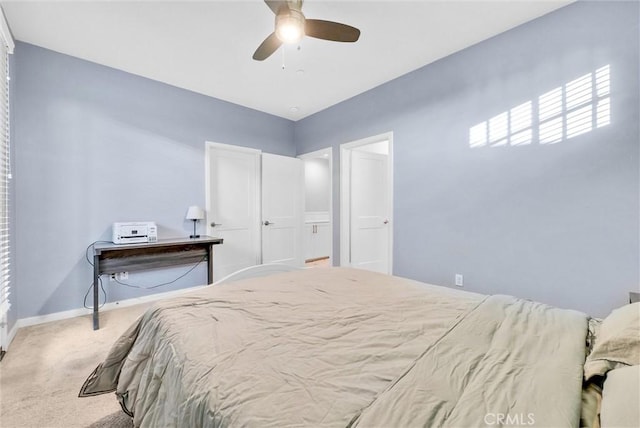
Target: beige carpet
[{"x": 47, "y": 364}]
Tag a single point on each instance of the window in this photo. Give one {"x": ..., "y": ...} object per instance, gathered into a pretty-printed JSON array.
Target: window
[
  {"x": 575, "y": 108},
  {"x": 6, "y": 48}
]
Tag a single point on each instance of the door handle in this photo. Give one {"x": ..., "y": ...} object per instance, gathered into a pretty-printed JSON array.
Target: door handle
[
  {"x": 214, "y": 224},
  {"x": 267, "y": 223},
  {"x": 386, "y": 222}
]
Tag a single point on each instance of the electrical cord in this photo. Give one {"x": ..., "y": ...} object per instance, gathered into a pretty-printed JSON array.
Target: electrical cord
[
  {"x": 86, "y": 252},
  {"x": 104, "y": 293},
  {"x": 164, "y": 283}
]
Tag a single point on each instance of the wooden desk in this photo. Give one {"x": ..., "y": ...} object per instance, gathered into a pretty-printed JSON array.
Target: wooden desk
[{"x": 111, "y": 258}]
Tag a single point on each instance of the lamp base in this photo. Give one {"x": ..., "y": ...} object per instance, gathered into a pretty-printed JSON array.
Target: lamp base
[{"x": 194, "y": 236}]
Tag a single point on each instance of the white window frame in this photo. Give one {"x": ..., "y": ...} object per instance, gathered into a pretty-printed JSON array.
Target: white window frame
[{"x": 6, "y": 48}]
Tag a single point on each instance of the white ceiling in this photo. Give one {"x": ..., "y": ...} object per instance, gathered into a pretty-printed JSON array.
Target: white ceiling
[{"x": 206, "y": 46}]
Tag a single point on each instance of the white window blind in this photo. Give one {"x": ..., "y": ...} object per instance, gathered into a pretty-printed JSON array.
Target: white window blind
[{"x": 6, "y": 48}]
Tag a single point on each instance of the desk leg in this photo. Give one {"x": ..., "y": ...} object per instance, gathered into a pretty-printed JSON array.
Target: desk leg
[
  {"x": 209, "y": 264},
  {"x": 96, "y": 292}
]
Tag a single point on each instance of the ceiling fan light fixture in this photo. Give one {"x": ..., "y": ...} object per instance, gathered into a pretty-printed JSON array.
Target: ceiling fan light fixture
[{"x": 290, "y": 26}]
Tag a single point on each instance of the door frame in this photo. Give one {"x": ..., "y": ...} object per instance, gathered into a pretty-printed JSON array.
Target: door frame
[
  {"x": 320, "y": 154},
  {"x": 210, "y": 145},
  {"x": 345, "y": 195}
]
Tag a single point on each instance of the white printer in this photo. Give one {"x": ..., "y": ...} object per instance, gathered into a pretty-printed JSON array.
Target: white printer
[{"x": 134, "y": 232}]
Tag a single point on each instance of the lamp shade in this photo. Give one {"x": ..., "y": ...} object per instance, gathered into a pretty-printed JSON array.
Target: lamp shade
[{"x": 195, "y": 213}]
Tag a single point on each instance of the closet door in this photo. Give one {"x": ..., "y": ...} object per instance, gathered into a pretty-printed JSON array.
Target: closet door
[
  {"x": 282, "y": 208},
  {"x": 233, "y": 206}
]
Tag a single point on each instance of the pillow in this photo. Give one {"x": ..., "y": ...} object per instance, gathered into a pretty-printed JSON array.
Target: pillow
[
  {"x": 620, "y": 398},
  {"x": 617, "y": 344}
]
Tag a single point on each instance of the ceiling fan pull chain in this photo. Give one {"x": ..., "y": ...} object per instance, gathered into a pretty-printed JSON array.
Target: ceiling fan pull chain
[{"x": 283, "y": 62}]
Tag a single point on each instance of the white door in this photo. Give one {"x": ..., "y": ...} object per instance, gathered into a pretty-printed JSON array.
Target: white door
[
  {"x": 369, "y": 211},
  {"x": 282, "y": 205},
  {"x": 233, "y": 206}
]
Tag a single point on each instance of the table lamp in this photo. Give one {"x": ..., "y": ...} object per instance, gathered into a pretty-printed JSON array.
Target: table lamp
[{"x": 195, "y": 213}]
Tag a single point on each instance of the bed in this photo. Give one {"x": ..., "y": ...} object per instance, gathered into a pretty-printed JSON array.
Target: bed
[{"x": 340, "y": 347}]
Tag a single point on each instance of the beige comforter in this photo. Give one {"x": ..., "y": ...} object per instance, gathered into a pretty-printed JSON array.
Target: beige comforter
[{"x": 344, "y": 347}]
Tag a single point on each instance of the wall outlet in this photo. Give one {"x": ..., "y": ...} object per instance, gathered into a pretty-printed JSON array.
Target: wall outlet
[
  {"x": 120, "y": 276},
  {"x": 459, "y": 280}
]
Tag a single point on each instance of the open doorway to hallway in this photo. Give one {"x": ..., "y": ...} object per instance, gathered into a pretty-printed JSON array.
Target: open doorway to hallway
[
  {"x": 318, "y": 224},
  {"x": 366, "y": 203}
]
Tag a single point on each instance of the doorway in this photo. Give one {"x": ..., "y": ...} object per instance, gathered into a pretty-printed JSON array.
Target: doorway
[
  {"x": 318, "y": 208},
  {"x": 254, "y": 203},
  {"x": 366, "y": 203}
]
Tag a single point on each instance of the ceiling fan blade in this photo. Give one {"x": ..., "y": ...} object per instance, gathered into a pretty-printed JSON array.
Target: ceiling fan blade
[
  {"x": 276, "y": 5},
  {"x": 267, "y": 47},
  {"x": 329, "y": 30}
]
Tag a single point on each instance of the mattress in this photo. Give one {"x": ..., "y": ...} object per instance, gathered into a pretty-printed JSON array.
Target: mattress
[{"x": 344, "y": 347}]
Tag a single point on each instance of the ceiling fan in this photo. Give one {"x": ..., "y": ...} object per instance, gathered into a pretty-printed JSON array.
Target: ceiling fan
[{"x": 291, "y": 26}]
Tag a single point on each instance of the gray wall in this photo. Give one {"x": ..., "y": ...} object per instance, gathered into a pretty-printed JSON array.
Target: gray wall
[
  {"x": 95, "y": 145},
  {"x": 317, "y": 185},
  {"x": 555, "y": 223}
]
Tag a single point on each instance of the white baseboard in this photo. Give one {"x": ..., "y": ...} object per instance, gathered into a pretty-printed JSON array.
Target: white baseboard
[{"x": 72, "y": 313}]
